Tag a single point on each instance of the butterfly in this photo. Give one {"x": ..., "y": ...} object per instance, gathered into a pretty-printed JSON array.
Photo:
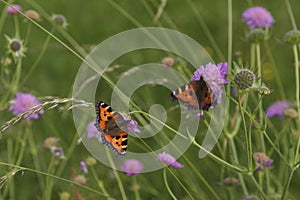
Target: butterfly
[
  {"x": 112, "y": 127},
  {"x": 195, "y": 95}
]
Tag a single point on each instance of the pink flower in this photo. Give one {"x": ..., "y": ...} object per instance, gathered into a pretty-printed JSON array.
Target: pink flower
[
  {"x": 13, "y": 9},
  {"x": 132, "y": 167}
]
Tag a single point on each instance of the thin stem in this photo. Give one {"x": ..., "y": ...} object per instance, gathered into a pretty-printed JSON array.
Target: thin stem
[
  {"x": 295, "y": 50},
  {"x": 258, "y": 187},
  {"x": 52, "y": 176},
  {"x": 49, "y": 180},
  {"x": 291, "y": 15},
  {"x": 248, "y": 140},
  {"x": 34, "y": 153},
  {"x": 136, "y": 188},
  {"x": 35, "y": 64},
  {"x": 167, "y": 185},
  {"x": 119, "y": 181},
  {"x": 100, "y": 184},
  {"x": 217, "y": 158},
  {"x": 235, "y": 157},
  {"x": 287, "y": 185}
]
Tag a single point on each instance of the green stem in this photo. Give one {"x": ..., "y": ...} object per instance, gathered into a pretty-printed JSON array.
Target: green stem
[
  {"x": 35, "y": 64},
  {"x": 167, "y": 185},
  {"x": 119, "y": 181},
  {"x": 49, "y": 180},
  {"x": 100, "y": 184},
  {"x": 22, "y": 169},
  {"x": 248, "y": 140},
  {"x": 216, "y": 158},
  {"x": 287, "y": 185},
  {"x": 258, "y": 187},
  {"x": 261, "y": 112},
  {"x": 235, "y": 157},
  {"x": 34, "y": 153},
  {"x": 295, "y": 50},
  {"x": 11, "y": 182},
  {"x": 216, "y": 196},
  {"x": 136, "y": 188}
]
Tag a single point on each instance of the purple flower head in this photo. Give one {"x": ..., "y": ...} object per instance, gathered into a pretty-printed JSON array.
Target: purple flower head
[
  {"x": 277, "y": 109},
  {"x": 23, "y": 102},
  {"x": 57, "y": 151},
  {"x": 92, "y": 131},
  {"x": 83, "y": 167},
  {"x": 169, "y": 160},
  {"x": 132, "y": 126},
  {"x": 214, "y": 76},
  {"x": 132, "y": 167},
  {"x": 257, "y": 17},
  {"x": 262, "y": 160},
  {"x": 13, "y": 9}
]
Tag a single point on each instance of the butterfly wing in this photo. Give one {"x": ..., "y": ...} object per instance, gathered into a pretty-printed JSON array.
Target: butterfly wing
[
  {"x": 111, "y": 126},
  {"x": 195, "y": 95}
]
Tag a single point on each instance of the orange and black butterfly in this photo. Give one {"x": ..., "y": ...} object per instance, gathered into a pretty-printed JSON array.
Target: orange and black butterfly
[
  {"x": 112, "y": 128},
  {"x": 195, "y": 95}
]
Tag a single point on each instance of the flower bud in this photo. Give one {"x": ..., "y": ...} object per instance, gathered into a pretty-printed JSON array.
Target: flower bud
[{"x": 244, "y": 79}]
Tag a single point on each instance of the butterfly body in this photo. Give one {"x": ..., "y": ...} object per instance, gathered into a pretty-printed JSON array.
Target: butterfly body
[
  {"x": 195, "y": 95},
  {"x": 112, "y": 128}
]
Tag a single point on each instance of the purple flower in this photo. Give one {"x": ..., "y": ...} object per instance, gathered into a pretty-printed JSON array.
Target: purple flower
[
  {"x": 83, "y": 167},
  {"x": 262, "y": 160},
  {"x": 57, "y": 151},
  {"x": 23, "y": 102},
  {"x": 13, "y": 9},
  {"x": 214, "y": 76},
  {"x": 92, "y": 131},
  {"x": 132, "y": 167},
  {"x": 132, "y": 126},
  {"x": 277, "y": 109},
  {"x": 257, "y": 17},
  {"x": 169, "y": 160}
]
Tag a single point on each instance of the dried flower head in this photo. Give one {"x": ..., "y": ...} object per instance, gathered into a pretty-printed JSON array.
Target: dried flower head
[
  {"x": 290, "y": 112},
  {"x": 257, "y": 17},
  {"x": 132, "y": 167},
  {"x": 64, "y": 196},
  {"x": 50, "y": 142},
  {"x": 169, "y": 160},
  {"x": 14, "y": 9},
  {"x": 214, "y": 76},
  {"x": 32, "y": 14},
  {"x": 277, "y": 109},
  {"x": 262, "y": 160},
  {"x": 168, "y": 61},
  {"x": 292, "y": 37},
  {"x": 22, "y": 103},
  {"x": 244, "y": 79},
  {"x": 90, "y": 161},
  {"x": 80, "y": 179},
  {"x": 59, "y": 20},
  {"x": 231, "y": 181}
]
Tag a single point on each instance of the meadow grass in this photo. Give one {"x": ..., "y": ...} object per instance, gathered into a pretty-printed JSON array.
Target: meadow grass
[{"x": 256, "y": 155}]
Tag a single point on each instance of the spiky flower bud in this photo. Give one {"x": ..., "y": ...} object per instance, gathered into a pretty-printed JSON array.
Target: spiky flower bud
[
  {"x": 292, "y": 37},
  {"x": 59, "y": 20},
  {"x": 244, "y": 79},
  {"x": 257, "y": 35}
]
